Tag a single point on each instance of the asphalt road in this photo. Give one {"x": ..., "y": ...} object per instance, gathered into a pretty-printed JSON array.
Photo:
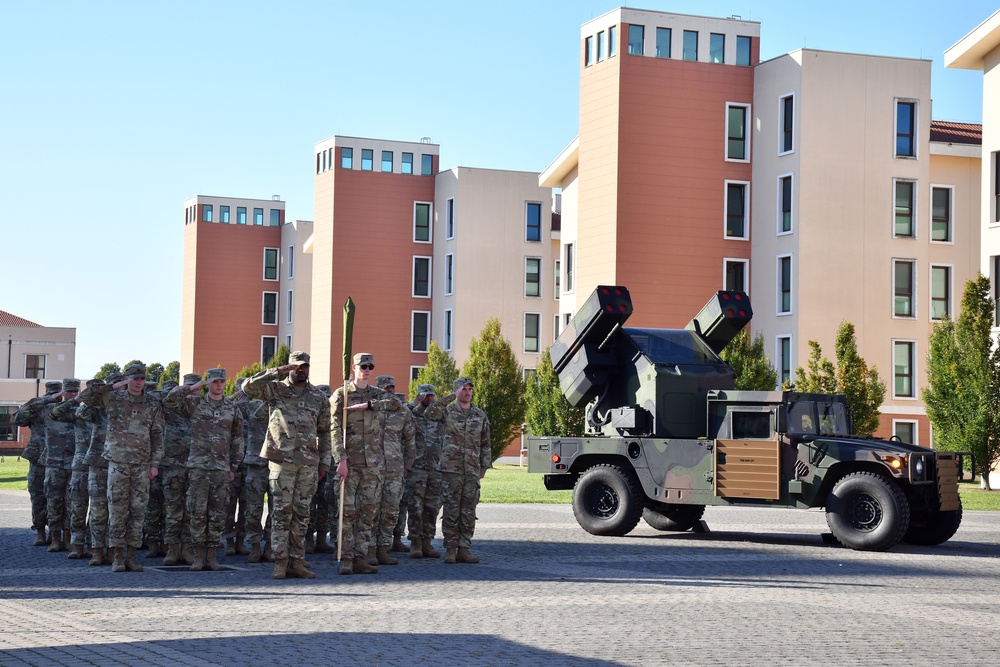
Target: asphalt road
[{"x": 762, "y": 588}]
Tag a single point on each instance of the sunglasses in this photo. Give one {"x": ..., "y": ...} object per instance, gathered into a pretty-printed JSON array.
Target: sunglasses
[{"x": 367, "y": 367}]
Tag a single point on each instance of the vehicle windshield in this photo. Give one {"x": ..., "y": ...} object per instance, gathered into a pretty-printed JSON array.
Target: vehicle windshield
[{"x": 817, "y": 418}]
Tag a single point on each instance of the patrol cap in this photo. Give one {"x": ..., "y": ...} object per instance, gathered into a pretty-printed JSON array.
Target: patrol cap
[
  {"x": 168, "y": 385},
  {"x": 298, "y": 358},
  {"x": 95, "y": 383},
  {"x": 325, "y": 389},
  {"x": 460, "y": 382},
  {"x": 383, "y": 381},
  {"x": 426, "y": 390},
  {"x": 192, "y": 378},
  {"x": 53, "y": 387},
  {"x": 240, "y": 382},
  {"x": 115, "y": 378},
  {"x": 71, "y": 384},
  {"x": 364, "y": 358},
  {"x": 213, "y": 374},
  {"x": 150, "y": 386},
  {"x": 135, "y": 371}
]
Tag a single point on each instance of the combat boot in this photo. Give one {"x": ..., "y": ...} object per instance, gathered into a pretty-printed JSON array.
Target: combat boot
[
  {"x": 416, "y": 550},
  {"x": 155, "y": 549},
  {"x": 40, "y": 539},
  {"x": 131, "y": 564},
  {"x": 241, "y": 547},
  {"x": 370, "y": 558},
  {"x": 67, "y": 540},
  {"x": 297, "y": 569},
  {"x": 230, "y": 546},
  {"x": 254, "y": 556},
  {"x": 77, "y": 552},
  {"x": 465, "y": 556},
  {"x": 280, "y": 568},
  {"x": 450, "y": 555},
  {"x": 211, "y": 561},
  {"x": 428, "y": 548},
  {"x": 267, "y": 555},
  {"x": 383, "y": 558},
  {"x": 347, "y": 565},
  {"x": 310, "y": 545},
  {"x": 361, "y": 566},
  {"x": 57, "y": 544},
  {"x": 173, "y": 554},
  {"x": 322, "y": 547},
  {"x": 397, "y": 543},
  {"x": 97, "y": 558},
  {"x": 187, "y": 554},
  {"x": 118, "y": 559},
  {"x": 198, "y": 562}
]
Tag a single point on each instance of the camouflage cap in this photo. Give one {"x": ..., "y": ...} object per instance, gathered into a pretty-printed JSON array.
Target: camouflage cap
[
  {"x": 240, "y": 382},
  {"x": 115, "y": 378},
  {"x": 325, "y": 390},
  {"x": 71, "y": 384},
  {"x": 213, "y": 374},
  {"x": 426, "y": 390},
  {"x": 364, "y": 358},
  {"x": 135, "y": 371},
  {"x": 460, "y": 382},
  {"x": 150, "y": 386},
  {"x": 191, "y": 378},
  {"x": 53, "y": 387},
  {"x": 95, "y": 383},
  {"x": 298, "y": 358},
  {"x": 168, "y": 385},
  {"x": 383, "y": 381}
]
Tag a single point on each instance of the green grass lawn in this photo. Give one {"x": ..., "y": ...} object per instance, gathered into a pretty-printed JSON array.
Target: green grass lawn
[{"x": 14, "y": 473}]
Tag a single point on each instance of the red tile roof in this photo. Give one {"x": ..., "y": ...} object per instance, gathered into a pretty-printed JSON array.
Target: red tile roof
[
  {"x": 10, "y": 320},
  {"x": 945, "y": 132}
]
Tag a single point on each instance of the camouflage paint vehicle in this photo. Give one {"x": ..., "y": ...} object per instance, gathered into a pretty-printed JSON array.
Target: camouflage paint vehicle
[{"x": 667, "y": 435}]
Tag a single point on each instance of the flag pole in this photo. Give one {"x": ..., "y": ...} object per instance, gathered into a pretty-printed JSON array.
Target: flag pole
[{"x": 347, "y": 341}]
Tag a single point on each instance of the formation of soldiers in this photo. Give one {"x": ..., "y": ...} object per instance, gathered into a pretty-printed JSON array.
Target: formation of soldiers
[{"x": 123, "y": 465}]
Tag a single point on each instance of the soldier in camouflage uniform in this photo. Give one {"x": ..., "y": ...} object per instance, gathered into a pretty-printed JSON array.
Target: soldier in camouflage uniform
[
  {"x": 152, "y": 524},
  {"x": 297, "y": 447},
  {"x": 174, "y": 475},
  {"x": 424, "y": 480},
  {"x": 398, "y": 453},
  {"x": 255, "y": 480},
  {"x": 465, "y": 457},
  {"x": 320, "y": 510},
  {"x": 60, "y": 444},
  {"x": 29, "y": 415},
  {"x": 97, "y": 478},
  {"x": 360, "y": 461},
  {"x": 78, "y": 497},
  {"x": 133, "y": 447},
  {"x": 216, "y": 453}
]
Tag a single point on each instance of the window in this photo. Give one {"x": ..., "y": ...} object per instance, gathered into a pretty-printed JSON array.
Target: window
[
  {"x": 784, "y": 204},
  {"x": 288, "y": 307},
  {"x": 529, "y": 375},
  {"x": 663, "y": 42},
  {"x": 347, "y": 158},
  {"x": 422, "y": 276},
  {"x": 320, "y": 162},
  {"x": 635, "y": 39},
  {"x": 270, "y": 263},
  {"x": 533, "y": 222},
  {"x": 406, "y": 166},
  {"x": 902, "y": 288},
  {"x": 291, "y": 262},
  {"x": 555, "y": 327},
  {"x": 34, "y": 366},
  {"x": 905, "y": 430},
  {"x": 274, "y": 217},
  {"x": 902, "y": 364},
  {"x": 270, "y": 310},
  {"x": 995, "y": 265},
  {"x": 449, "y": 274},
  {"x": 784, "y": 359},
  {"x": 447, "y": 329},
  {"x": 532, "y": 276},
  {"x": 224, "y": 214},
  {"x": 387, "y": 161},
  {"x": 996, "y": 187},
  {"x": 716, "y": 48},
  {"x": 426, "y": 165},
  {"x": 420, "y": 330},
  {"x": 784, "y": 284},
  {"x": 600, "y": 46},
  {"x": 736, "y": 210},
  {"x": 906, "y": 113},
  {"x": 556, "y": 275},
  {"x": 531, "y": 324},
  {"x": 941, "y": 214},
  {"x": 588, "y": 51},
  {"x": 735, "y": 278},
  {"x": 8, "y": 429},
  {"x": 569, "y": 267},
  {"x": 737, "y": 145},
  {"x": 268, "y": 344},
  {"x": 613, "y": 41},
  {"x": 449, "y": 218},
  {"x": 206, "y": 213},
  {"x": 940, "y": 292},
  {"x": 743, "y": 51},
  {"x": 690, "y": 45},
  {"x": 786, "y": 121},
  {"x": 422, "y": 222},
  {"x": 903, "y": 226},
  {"x": 367, "y": 159},
  {"x": 288, "y": 341},
  {"x": 241, "y": 215},
  {"x": 258, "y": 216}
]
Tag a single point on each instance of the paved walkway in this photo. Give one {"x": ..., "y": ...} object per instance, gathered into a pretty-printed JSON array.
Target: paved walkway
[{"x": 760, "y": 589}]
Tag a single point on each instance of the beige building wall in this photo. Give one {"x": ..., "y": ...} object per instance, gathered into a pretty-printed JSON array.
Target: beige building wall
[{"x": 296, "y": 282}]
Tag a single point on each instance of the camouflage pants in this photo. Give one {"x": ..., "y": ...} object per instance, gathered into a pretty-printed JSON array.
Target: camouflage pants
[
  {"x": 176, "y": 526},
  {"x": 234, "y": 523},
  {"x": 97, "y": 488},
  {"x": 332, "y": 491},
  {"x": 458, "y": 521},
  {"x": 208, "y": 493},
  {"x": 361, "y": 502},
  {"x": 319, "y": 511},
  {"x": 79, "y": 502},
  {"x": 56, "y": 487},
  {"x": 255, "y": 483},
  {"x": 404, "y": 504},
  {"x": 292, "y": 488},
  {"x": 152, "y": 524},
  {"x": 425, "y": 502},
  {"x": 128, "y": 495},
  {"x": 36, "y": 489},
  {"x": 388, "y": 513}
]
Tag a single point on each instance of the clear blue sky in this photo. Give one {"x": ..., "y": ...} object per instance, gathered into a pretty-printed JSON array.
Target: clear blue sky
[{"x": 114, "y": 113}]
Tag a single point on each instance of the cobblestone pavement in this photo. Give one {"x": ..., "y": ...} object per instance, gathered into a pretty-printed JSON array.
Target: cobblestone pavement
[{"x": 761, "y": 589}]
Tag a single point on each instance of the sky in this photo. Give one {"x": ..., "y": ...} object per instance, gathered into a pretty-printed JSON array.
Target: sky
[{"x": 115, "y": 113}]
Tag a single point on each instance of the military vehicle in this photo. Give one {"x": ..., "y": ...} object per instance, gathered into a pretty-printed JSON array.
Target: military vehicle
[{"x": 666, "y": 434}]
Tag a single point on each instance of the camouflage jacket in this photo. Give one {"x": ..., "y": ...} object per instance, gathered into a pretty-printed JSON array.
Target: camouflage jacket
[
  {"x": 254, "y": 429},
  {"x": 363, "y": 446},
  {"x": 99, "y": 420},
  {"x": 398, "y": 438},
  {"x": 135, "y": 425},
  {"x": 82, "y": 431},
  {"x": 465, "y": 446},
  {"x": 60, "y": 439},
  {"x": 176, "y": 438},
  {"x": 216, "y": 429},
  {"x": 427, "y": 440},
  {"x": 298, "y": 429},
  {"x": 29, "y": 415}
]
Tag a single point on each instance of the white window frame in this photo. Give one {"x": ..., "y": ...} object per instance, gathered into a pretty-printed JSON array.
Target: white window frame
[
  {"x": 288, "y": 341},
  {"x": 413, "y": 277},
  {"x": 779, "y": 220},
  {"x": 449, "y": 222},
  {"x": 913, "y": 287},
  {"x": 413, "y": 314},
  {"x": 277, "y": 304},
  {"x": 950, "y": 288},
  {"x": 524, "y": 333},
  {"x": 913, "y": 368},
  {"x": 951, "y": 215},
  {"x": 781, "y": 123},
  {"x": 414, "y": 372},
  {"x": 541, "y": 221},
  {"x": 449, "y": 333},
  {"x": 916, "y": 125},
  {"x": 777, "y": 358},
  {"x": 913, "y": 208},
  {"x": 538, "y": 283},
  {"x": 430, "y": 221},
  {"x": 277, "y": 265},
  {"x": 746, "y": 132},
  {"x": 262, "y": 338},
  {"x": 791, "y": 285},
  {"x": 555, "y": 327},
  {"x": 45, "y": 366},
  {"x": 746, "y": 210},
  {"x": 556, "y": 278},
  {"x": 291, "y": 262},
  {"x": 916, "y": 427},
  {"x": 289, "y": 309},
  {"x": 569, "y": 268},
  {"x": 449, "y": 280},
  {"x": 746, "y": 272}
]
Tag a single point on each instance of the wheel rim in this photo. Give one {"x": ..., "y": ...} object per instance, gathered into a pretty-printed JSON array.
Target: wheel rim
[
  {"x": 604, "y": 502},
  {"x": 864, "y": 513}
]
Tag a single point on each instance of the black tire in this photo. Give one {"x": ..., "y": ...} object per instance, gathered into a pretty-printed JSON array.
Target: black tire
[
  {"x": 867, "y": 512},
  {"x": 607, "y": 500},
  {"x": 673, "y": 517},
  {"x": 930, "y": 529}
]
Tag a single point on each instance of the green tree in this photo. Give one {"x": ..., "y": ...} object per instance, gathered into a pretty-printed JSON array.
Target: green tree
[
  {"x": 861, "y": 385},
  {"x": 963, "y": 380},
  {"x": 440, "y": 371},
  {"x": 546, "y": 410},
  {"x": 499, "y": 387},
  {"x": 820, "y": 376},
  {"x": 754, "y": 371},
  {"x": 171, "y": 372},
  {"x": 279, "y": 359},
  {"x": 107, "y": 370},
  {"x": 154, "y": 372}
]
